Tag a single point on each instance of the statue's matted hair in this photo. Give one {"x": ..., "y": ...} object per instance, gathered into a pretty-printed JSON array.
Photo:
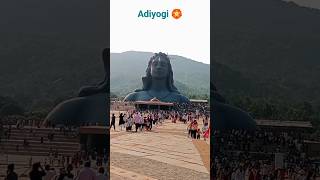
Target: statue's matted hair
[{"x": 103, "y": 86}]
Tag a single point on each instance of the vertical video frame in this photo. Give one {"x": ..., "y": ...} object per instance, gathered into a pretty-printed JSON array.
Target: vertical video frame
[{"x": 159, "y": 90}]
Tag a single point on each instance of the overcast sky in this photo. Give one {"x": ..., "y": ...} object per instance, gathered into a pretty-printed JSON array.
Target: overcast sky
[{"x": 188, "y": 36}]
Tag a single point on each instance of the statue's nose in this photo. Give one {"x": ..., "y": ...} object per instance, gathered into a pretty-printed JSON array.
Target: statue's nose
[{"x": 159, "y": 66}]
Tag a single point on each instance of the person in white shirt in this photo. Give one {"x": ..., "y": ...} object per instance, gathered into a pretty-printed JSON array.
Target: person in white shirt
[
  {"x": 184, "y": 118},
  {"x": 136, "y": 120},
  {"x": 197, "y": 114},
  {"x": 141, "y": 121},
  {"x": 129, "y": 123},
  {"x": 160, "y": 117}
]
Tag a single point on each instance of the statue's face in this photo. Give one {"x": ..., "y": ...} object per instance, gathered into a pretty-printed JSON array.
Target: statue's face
[{"x": 159, "y": 68}]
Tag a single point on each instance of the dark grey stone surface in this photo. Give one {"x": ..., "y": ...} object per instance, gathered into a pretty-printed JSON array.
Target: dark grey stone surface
[
  {"x": 158, "y": 82},
  {"x": 91, "y": 105},
  {"x": 225, "y": 116}
]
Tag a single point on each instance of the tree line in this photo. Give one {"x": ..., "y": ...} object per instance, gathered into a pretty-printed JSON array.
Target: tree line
[{"x": 276, "y": 109}]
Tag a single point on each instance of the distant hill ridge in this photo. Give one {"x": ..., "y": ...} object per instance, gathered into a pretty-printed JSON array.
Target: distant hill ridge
[
  {"x": 270, "y": 42},
  {"x": 127, "y": 69}
]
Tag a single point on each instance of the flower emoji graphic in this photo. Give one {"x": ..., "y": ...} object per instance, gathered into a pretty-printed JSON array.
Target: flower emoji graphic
[{"x": 176, "y": 13}]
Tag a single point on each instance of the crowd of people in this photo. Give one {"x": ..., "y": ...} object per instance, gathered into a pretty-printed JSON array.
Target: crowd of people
[
  {"x": 191, "y": 113},
  {"x": 198, "y": 108},
  {"x": 79, "y": 167},
  {"x": 242, "y": 155},
  {"x": 261, "y": 140},
  {"x": 195, "y": 132},
  {"x": 56, "y": 166},
  {"x": 248, "y": 168},
  {"x": 38, "y": 172},
  {"x": 141, "y": 120}
]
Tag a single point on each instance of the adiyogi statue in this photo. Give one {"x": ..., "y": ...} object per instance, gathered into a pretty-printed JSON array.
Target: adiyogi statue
[
  {"x": 91, "y": 105},
  {"x": 227, "y": 117},
  {"x": 158, "y": 82}
]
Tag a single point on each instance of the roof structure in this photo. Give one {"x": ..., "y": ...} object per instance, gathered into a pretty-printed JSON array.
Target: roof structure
[
  {"x": 154, "y": 101},
  {"x": 278, "y": 123},
  {"x": 198, "y": 101},
  {"x": 93, "y": 129}
]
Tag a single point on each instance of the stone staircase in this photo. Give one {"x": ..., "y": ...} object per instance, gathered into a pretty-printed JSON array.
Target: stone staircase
[{"x": 65, "y": 145}]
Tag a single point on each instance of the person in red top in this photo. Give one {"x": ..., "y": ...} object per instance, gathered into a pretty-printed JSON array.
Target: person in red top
[
  {"x": 206, "y": 134},
  {"x": 189, "y": 128}
]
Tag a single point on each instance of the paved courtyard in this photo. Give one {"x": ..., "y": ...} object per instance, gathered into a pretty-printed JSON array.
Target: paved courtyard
[{"x": 165, "y": 153}]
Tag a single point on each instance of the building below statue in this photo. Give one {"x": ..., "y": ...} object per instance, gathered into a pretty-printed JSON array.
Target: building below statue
[
  {"x": 95, "y": 139},
  {"x": 145, "y": 96}
]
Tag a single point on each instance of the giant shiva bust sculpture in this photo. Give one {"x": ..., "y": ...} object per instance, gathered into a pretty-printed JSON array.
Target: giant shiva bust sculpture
[
  {"x": 158, "y": 82},
  {"x": 90, "y": 107}
]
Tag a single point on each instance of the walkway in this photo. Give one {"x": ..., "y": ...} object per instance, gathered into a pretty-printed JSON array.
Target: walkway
[{"x": 165, "y": 153}]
